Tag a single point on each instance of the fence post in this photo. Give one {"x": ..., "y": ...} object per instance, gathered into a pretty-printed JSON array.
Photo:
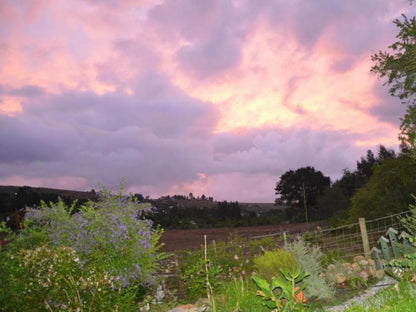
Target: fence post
[{"x": 364, "y": 237}]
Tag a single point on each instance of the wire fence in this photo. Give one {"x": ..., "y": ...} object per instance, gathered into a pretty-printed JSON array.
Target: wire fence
[{"x": 346, "y": 241}]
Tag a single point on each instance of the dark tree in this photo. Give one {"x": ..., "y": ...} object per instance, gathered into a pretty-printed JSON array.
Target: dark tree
[{"x": 301, "y": 189}]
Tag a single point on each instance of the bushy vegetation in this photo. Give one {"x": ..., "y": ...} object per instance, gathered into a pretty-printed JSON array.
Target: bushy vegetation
[
  {"x": 309, "y": 258},
  {"x": 103, "y": 257},
  {"x": 227, "y": 261},
  {"x": 271, "y": 262}
]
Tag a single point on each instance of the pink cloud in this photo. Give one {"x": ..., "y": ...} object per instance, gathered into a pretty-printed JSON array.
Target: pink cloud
[{"x": 205, "y": 97}]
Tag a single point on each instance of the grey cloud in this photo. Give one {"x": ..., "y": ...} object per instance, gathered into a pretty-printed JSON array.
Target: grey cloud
[
  {"x": 213, "y": 30},
  {"x": 228, "y": 143},
  {"x": 220, "y": 53},
  {"x": 27, "y": 91},
  {"x": 155, "y": 141},
  {"x": 188, "y": 19},
  {"x": 388, "y": 108},
  {"x": 273, "y": 151},
  {"x": 26, "y": 141}
]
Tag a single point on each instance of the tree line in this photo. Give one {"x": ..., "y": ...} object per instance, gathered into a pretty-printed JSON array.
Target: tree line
[{"x": 381, "y": 184}]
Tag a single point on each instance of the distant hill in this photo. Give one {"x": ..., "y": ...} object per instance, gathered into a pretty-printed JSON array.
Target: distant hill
[
  {"x": 13, "y": 198},
  {"x": 13, "y": 190}
]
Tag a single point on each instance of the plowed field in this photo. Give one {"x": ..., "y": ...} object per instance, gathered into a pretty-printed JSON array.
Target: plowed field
[{"x": 182, "y": 239}]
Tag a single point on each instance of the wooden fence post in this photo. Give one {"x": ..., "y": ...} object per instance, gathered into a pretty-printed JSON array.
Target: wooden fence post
[{"x": 364, "y": 237}]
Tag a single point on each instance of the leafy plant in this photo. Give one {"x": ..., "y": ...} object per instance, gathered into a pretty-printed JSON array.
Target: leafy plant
[
  {"x": 271, "y": 262},
  {"x": 237, "y": 295},
  {"x": 309, "y": 258},
  {"x": 409, "y": 221},
  {"x": 227, "y": 260},
  {"x": 283, "y": 294},
  {"x": 404, "y": 268},
  {"x": 111, "y": 234},
  {"x": 106, "y": 255},
  {"x": 55, "y": 279}
]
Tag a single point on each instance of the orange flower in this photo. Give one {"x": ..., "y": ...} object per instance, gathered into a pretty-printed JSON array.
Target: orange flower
[{"x": 300, "y": 297}]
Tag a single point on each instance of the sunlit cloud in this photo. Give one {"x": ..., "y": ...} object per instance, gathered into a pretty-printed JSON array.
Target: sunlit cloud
[{"x": 214, "y": 97}]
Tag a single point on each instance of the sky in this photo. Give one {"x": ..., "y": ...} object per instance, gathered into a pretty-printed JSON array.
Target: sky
[{"x": 212, "y": 97}]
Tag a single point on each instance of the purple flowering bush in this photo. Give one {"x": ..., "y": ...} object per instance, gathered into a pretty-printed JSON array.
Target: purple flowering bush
[
  {"x": 111, "y": 234},
  {"x": 109, "y": 239}
]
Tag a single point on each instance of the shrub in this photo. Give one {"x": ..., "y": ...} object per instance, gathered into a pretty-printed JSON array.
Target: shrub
[
  {"x": 309, "y": 258},
  {"x": 409, "y": 221},
  {"x": 103, "y": 257},
  {"x": 271, "y": 262},
  {"x": 54, "y": 279},
  {"x": 111, "y": 235},
  {"x": 256, "y": 246},
  {"x": 283, "y": 294},
  {"x": 226, "y": 261}
]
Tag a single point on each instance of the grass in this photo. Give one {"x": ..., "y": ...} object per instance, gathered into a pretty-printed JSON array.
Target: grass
[
  {"x": 239, "y": 295},
  {"x": 402, "y": 297}
]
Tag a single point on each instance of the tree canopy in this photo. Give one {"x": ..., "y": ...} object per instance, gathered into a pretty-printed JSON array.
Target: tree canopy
[
  {"x": 399, "y": 67},
  {"x": 301, "y": 189},
  {"x": 387, "y": 192}
]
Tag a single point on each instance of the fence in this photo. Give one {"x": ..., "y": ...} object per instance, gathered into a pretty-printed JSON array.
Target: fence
[{"x": 348, "y": 240}]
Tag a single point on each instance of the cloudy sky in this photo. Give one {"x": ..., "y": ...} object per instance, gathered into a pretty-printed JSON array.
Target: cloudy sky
[{"x": 213, "y": 97}]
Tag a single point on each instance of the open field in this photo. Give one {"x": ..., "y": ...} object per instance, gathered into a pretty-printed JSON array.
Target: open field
[{"x": 182, "y": 239}]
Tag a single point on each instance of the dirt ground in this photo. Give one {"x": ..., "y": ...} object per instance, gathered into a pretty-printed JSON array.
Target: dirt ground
[{"x": 183, "y": 239}]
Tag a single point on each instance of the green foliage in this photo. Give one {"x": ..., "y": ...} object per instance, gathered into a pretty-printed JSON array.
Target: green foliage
[
  {"x": 283, "y": 294},
  {"x": 401, "y": 297},
  {"x": 227, "y": 261},
  {"x": 408, "y": 131},
  {"x": 272, "y": 262},
  {"x": 387, "y": 191},
  {"x": 55, "y": 279},
  {"x": 301, "y": 189},
  {"x": 110, "y": 234},
  {"x": 329, "y": 257},
  {"x": 194, "y": 277},
  {"x": 403, "y": 268},
  {"x": 103, "y": 256},
  {"x": 237, "y": 295},
  {"x": 409, "y": 221},
  {"x": 399, "y": 67},
  {"x": 335, "y": 200},
  {"x": 309, "y": 258},
  {"x": 256, "y": 245},
  {"x": 332, "y": 200}
]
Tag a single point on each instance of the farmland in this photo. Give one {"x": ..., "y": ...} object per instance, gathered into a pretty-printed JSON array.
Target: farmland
[{"x": 194, "y": 238}]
